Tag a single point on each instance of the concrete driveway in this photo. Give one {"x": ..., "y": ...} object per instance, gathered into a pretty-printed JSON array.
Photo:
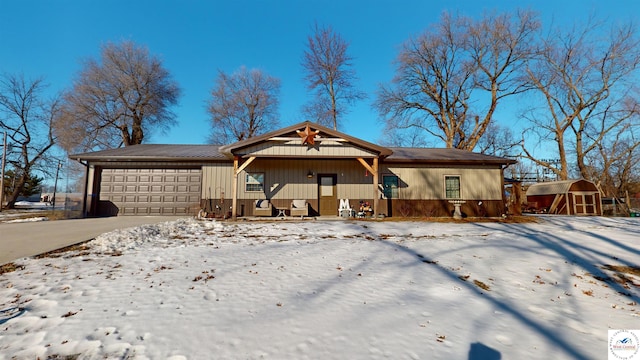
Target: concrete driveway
[{"x": 18, "y": 240}]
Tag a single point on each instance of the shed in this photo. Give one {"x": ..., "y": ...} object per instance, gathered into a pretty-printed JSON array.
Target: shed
[{"x": 568, "y": 197}]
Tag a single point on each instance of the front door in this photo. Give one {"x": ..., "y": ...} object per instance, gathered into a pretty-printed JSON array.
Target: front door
[{"x": 328, "y": 197}]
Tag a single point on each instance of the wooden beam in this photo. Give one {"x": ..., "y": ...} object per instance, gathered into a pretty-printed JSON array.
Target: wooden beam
[
  {"x": 376, "y": 195},
  {"x": 366, "y": 164},
  {"x": 234, "y": 190},
  {"x": 237, "y": 169},
  {"x": 246, "y": 163},
  {"x": 319, "y": 139},
  {"x": 373, "y": 169}
]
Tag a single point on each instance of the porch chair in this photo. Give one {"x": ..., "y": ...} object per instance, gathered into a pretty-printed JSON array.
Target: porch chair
[
  {"x": 345, "y": 210},
  {"x": 299, "y": 208},
  {"x": 263, "y": 208}
]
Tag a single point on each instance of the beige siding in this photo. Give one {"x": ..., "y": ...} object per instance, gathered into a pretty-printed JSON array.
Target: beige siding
[
  {"x": 217, "y": 180},
  {"x": 287, "y": 179},
  {"x": 294, "y": 148},
  {"x": 428, "y": 182}
]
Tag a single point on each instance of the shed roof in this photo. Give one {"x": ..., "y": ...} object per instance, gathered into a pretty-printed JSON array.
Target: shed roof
[
  {"x": 554, "y": 187},
  {"x": 155, "y": 152}
]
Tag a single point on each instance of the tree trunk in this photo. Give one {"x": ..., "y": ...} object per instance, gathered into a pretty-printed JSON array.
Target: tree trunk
[{"x": 13, "y": 197}]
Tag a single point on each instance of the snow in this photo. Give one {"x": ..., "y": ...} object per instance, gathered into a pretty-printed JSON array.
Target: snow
[{"x": 192, "y": 289}]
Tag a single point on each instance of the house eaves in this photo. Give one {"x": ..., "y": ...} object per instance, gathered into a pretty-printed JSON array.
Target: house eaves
[
  {"x": 443, "y": 156},
  {"x": 155, "y": 153}
]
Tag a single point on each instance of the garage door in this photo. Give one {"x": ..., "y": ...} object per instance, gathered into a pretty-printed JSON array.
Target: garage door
[{"x": 151, "y": 191}]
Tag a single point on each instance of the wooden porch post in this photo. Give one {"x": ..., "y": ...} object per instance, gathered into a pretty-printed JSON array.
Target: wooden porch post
[
  {"x": 374, "y": 171},
  {"x": 236, "y": 171},
  {"x": 234, "y": 190},
  {"x": 375, "y": 187}
]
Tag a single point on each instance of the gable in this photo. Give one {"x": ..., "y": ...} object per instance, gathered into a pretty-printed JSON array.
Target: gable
[
  {"x": 294, "y": 148},
  {"x": 306, "y": 140}
]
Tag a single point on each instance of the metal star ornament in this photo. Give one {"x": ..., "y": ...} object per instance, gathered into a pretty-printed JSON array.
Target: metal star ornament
[{"x": 308, "y": 136}]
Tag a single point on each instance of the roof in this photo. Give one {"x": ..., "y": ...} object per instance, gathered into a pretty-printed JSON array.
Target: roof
[
  {"x": 443, "y": 155},
  {"x": 553, "y": 187},
  {"x": 159, "y": 152},
  {"x": 231, "y": 148},
  {"x": 155, "y": 152}
]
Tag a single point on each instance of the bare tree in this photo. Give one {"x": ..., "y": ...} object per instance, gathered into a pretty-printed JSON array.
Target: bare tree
[
  {"x": 116, "y": 100},
  {"x": 499, "y": 141},
  {"x": 243, "y": 105},
  {"x": 27, "y": 120},
  {"x": 330, "y": 75},
  {"x": 446, "y": 75},
  {"x": 614, "y": 164},
  {"x": 584, "y": 79}
]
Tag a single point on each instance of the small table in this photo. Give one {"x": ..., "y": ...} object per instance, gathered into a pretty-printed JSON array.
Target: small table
[{"x": 282, "y": 213}]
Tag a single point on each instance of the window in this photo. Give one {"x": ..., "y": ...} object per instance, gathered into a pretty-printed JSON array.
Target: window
[
  {"x": 452, "y": 187},
  {"x": 390, "y": 186},
  {"x": 326, "y": 186},
  {"x": 255, "y": 182}
]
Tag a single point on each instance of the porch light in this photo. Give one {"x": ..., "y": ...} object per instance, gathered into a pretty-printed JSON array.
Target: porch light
[{"x": 309, "y": 174}]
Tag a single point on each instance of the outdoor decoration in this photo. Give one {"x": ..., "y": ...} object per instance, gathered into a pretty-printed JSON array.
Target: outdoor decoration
[{"x": 308, "y": 136}]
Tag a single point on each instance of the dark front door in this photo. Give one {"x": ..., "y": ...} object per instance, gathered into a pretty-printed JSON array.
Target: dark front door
[{"x": 327, "y": 194}]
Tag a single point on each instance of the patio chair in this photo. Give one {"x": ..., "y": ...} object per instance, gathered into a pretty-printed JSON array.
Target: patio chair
[
  {"x": 299, "y": 208},
  {"x": 263, "y": 208}
]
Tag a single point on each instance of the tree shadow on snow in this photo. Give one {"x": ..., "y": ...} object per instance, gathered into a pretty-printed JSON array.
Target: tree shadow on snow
[
  {"x": 10, "y": 313},
  {"x": 549, "y": 333}
]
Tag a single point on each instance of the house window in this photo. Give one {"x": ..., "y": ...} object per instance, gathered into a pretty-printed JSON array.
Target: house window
[
  {"x": 452, "y": 187},
  {"x": 390, "y": 186},
  {"x": 255, "y": 182}
]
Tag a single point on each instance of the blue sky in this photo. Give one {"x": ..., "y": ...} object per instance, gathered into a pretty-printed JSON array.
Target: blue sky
[{"x": 195, "y": 39}]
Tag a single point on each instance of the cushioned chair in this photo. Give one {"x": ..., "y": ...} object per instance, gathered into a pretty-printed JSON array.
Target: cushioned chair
[
  {"x": 299, "y": 208},
  {"x": 263, "y": 208}
]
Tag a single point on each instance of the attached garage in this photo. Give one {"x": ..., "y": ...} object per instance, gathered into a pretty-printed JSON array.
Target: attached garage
[
  {"x": 149, "y": 191},
  {"x": 568, "y": 197},
  {"x": 147, "y": 179}
]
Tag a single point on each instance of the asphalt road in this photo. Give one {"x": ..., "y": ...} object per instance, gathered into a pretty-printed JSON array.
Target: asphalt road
[{"x": 19, "y": 240}]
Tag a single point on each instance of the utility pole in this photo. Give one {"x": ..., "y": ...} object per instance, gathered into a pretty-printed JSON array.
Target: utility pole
[
  {"x": 55, "y": 186},
  {"x": 4, "y": 160}
]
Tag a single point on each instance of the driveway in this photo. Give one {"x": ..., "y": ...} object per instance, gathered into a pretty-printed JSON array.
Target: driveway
[{"x": 18, "y": 240}]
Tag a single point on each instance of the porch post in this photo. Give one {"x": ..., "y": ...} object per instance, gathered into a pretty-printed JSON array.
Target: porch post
[
  {"x": 234, "y": 190},
  {"x": 376, "y": 194},
  {"x": 373, "y": 169}
]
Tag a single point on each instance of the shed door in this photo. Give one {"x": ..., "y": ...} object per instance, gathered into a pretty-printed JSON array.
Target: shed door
[
  {"x": 328, "y": 197},
  {"x": 149, "y": 191},
  {"x": 584, "y": 203}
]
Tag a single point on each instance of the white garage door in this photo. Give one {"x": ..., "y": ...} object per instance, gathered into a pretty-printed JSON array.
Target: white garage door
[{"x": 151, "y": 191}]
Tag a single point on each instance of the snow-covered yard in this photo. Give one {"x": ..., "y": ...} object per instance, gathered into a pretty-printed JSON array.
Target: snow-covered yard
[{"x": 329, "y": 290}]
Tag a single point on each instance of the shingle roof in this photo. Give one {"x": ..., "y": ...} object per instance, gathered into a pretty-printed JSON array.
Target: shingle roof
[
  {"x": 155, "y": 152},
  {"x": 441, "y": 155},
  {"x": 158, "y": 152}
]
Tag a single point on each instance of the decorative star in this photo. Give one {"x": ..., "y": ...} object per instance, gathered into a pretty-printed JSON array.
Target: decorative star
[{"x": 308, "y": 136}]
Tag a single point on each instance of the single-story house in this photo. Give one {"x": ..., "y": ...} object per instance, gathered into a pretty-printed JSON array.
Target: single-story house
[
  {"x": 568, "y": 197},
  {"x": 318, "y": 167}
]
